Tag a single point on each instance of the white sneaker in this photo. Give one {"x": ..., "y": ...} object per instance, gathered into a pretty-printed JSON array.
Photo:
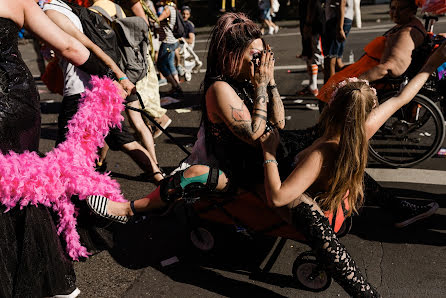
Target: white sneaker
[
  {"x": 276, "y": 29},
  {"x": 271, "y": 31},
  {"x": 181, "y": 70},
  {"x": 187, "y": 76},
  {"x": 312, "y": 106},
  {"x": 73, "y": 294}
]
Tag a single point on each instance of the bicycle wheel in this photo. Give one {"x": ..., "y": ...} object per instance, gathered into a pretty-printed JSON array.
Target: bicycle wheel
[{"x": 414, "y": 133}]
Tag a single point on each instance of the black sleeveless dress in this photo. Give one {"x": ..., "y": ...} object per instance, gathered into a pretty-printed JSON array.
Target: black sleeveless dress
[{"x": 32, "y": 260}]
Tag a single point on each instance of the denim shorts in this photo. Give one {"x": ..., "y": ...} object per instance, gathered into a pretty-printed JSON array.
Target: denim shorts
[
  {"x": 331, "y": 46},
  {"x": 265, "y": 14},
  {"x": 166, "y": 59}
]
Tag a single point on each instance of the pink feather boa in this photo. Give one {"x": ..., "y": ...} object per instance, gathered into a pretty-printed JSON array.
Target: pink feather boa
[{"x": 68, "y": 169}]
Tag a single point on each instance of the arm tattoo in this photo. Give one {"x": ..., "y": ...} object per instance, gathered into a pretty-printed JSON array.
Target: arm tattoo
[
  {"x": 261, "y": 110},
  {"x": 255, "y": 127},
  {"x": 262, "y": 95},
  {"x": 240, "y": 114},
  {"x": 261, "y": 99},
  {"x": 242, "y": 130},
  {"x": 263, "y": 117}
]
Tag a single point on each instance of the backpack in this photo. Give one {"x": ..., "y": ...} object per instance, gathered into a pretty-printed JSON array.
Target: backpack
[
  {"x": 127, "y": 38},
  {"x": 132, "y": 34},
  {"x": 179, "y": 28},
  {"x": 97, "y": 30}
]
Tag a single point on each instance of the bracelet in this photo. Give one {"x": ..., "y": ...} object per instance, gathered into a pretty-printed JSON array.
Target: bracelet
[
  {"x": 270, "y": 161},
  {"x": 271, "y": 87},
  {"x": 123, "y": 78}
]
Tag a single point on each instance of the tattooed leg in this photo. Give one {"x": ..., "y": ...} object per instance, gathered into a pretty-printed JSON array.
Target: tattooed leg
[{"x": 322, "y": 239}]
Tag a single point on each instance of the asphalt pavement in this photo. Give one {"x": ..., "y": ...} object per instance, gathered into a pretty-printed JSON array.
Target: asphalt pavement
[{"x": 156, "y": 258}]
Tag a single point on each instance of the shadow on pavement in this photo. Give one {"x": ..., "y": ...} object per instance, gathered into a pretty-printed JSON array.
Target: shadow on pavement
[{"x": 375, "y": 224}]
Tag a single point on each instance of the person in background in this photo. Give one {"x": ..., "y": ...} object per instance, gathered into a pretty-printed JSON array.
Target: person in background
[
  {"x": 188, "y": 61},
  {"x": 166, "y": 55},
  {"x": 357, "y": 13},
  {"x": 74, "y": 86},
  {"x": 311, "y": 28},
  {"x": 266, "y": 17},
  {"x": 339, "y": 18},
  {"x": 223, "y": 6},
  {"x": 148, "y": 87}
]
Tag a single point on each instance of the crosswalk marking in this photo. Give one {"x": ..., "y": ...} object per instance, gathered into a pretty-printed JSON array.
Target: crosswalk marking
[{"x": 418, "y": 176}]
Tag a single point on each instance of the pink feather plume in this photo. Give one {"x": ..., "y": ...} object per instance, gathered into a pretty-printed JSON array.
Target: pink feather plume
[{"x": 68, "y": 169}]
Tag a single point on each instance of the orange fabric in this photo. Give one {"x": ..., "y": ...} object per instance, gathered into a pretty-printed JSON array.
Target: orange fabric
[
  {"x": 249, "y": 210},
  {"x": 53, "y": 77},
  {"x": 373, "y": 51}
]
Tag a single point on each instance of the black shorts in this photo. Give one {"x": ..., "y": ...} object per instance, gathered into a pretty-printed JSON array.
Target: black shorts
[{"x": 116, "y": 137}]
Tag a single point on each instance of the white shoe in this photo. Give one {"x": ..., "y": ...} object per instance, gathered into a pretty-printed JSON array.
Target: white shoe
[
  {"x": 73, "y": 294},
  {"x": 276, "y": 29},
  {"x": 187, "y": 76},
  {"x": 312, "y": 106},
  {"x": 271, "y": 31},
  {"x": 181, "y": 70}
]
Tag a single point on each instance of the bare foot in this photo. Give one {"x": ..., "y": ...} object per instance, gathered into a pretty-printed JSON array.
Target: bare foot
[{"x": 119, "y": 209}]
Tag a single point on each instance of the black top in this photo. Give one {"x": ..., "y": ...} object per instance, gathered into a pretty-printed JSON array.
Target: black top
[
  {"x": 19, "y": 99},
  {"x": 240, "y": 161},
  {"x": 189, "y": 27}
]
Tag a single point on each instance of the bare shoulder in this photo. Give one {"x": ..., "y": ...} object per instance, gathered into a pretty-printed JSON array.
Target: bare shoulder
[
  {"x": 326, "y": 151},
  {"x": 415, "y": 29},
  {"x": 14, "y": 10},
  {"x": 220, "y": 91}
]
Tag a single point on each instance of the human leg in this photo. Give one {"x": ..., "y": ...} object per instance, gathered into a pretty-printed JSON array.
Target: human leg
[
  {"x": 402, "y": 211},
  {"x": 166, "y": 64},
  {"x": 307, "y": 217},
  {"x": 143, "y": 132},
  {"x": 144, "y": 160},
  {"x": 168, "y": 192}
]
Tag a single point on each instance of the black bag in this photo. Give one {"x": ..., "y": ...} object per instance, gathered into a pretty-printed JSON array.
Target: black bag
[
  {"x": 97, "y": 30},
  {"x": 132, "y": 35},
  {"x": 179, "y": 28}
]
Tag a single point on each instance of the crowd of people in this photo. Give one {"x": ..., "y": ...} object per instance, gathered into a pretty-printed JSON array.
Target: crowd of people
[{"x": 299, "y": 174}]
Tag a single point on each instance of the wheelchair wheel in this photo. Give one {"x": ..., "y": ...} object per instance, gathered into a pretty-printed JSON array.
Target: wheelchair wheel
[
  {"x": 202, "y": 239},
  {"x": 414, "y": 133},
  {"x": 345, "y": 228},
  {"x": 310, "y": 275}
]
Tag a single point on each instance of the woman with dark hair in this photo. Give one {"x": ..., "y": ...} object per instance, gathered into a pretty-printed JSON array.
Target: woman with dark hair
[{"x": 240, "y": 103}]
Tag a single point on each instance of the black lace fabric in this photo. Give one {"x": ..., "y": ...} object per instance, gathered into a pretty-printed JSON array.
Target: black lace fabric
[
  {"x": 32, "y": 260},
  {"x": 322, "y": 239}
]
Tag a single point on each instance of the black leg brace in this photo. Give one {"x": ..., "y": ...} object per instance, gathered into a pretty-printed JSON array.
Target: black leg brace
[
  {"x": 330, "y": 251},
  {"x": 171, "y": 189}
]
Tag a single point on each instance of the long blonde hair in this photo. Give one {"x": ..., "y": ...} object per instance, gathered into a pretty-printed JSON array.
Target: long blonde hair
[{"x": 347, "y": 114}]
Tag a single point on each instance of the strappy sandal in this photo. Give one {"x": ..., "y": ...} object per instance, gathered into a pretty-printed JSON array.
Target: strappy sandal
[{"x": 98, "y": 204}]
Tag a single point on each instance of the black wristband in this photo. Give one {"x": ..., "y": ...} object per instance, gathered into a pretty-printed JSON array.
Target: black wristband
[
  {"x": 94, "y": 66},
  {"x": 271, "y": 87}
]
